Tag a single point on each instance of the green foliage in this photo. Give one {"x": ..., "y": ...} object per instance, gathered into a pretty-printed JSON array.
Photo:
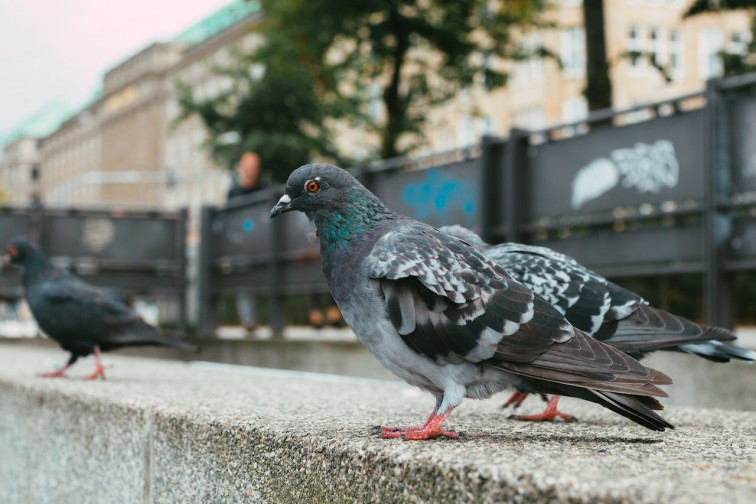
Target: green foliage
[
  {"x": 739, "y": 64},
  {"x": 734, "y": 64},
  {"x": 271, "y": 109},
  {"x": 701, "y": 6},
  {"x": 410, "y": 54},
  {"x": 337, "y": 59}
]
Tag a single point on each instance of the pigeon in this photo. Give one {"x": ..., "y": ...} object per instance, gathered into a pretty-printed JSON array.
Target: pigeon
[
  {"x": 445, "y": 318},
  {"x": 82, "y": 318},
  {"x": 602, "y": 309}
]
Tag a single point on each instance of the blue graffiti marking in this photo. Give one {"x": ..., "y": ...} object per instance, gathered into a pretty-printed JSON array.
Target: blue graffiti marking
[
  {"x": 248, "y": 225},
  {"x": 440, "y": 195}
]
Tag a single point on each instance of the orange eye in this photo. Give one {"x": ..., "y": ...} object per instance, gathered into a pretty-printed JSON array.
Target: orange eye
[
  {"x": 11, "y": 250},
  {"x": 312, "y": 186}
]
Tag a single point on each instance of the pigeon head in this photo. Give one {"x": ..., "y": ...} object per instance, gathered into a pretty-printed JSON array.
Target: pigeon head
[
  {"x": 316, "y": 187},
  {"x": 335, "y": 201},
  {"x": 23, "y": 252}
]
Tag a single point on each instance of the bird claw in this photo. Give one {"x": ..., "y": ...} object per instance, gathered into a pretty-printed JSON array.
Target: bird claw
[
  {"x": 544, "y": 417},
  {"x": 53, "y": 374},
  {"x": 416, "y": 433}
]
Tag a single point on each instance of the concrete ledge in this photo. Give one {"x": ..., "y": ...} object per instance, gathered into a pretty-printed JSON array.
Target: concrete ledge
[{"x": 159, "y": 431}]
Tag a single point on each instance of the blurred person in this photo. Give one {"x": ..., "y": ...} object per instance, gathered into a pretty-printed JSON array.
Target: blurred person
[{"x": 248, "y": 181}]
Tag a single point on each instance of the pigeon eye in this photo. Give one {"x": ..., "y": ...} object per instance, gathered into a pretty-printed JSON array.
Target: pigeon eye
[
  {"x": 312, "y": 186},
  {"x": 11, "y": 250}
]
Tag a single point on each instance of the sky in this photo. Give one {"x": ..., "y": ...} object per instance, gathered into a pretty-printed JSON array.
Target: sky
[{"x": 57, "y": 50}]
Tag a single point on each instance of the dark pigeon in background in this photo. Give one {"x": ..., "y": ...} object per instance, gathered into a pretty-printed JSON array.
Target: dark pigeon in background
[
  {"x": 82, "y": 318},
  {"x": 602, "y": 309},
  {"x": 445, "y": 318}
]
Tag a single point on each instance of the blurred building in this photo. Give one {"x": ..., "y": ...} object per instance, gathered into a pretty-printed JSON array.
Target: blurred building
[
  {"x": 127, "y": 148},
  {"x": 21, "y": 156},
  {"x": 541, "y": 94}
]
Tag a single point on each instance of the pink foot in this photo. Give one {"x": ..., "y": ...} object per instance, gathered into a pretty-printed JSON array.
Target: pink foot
[
  {"x": 99, "y": 368},
  {"x": 60, "y": 373},
  {"x": 431, "y": 429},
  {"x": 549, "y": 414},
  {"x": 99, "y": 372}
]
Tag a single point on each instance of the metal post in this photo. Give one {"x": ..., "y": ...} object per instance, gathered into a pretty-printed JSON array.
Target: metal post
[
  {"x": 277, "y": 301},
  {"x": 491, "y": 183},
  {"x": 181, "y": 251},
  {"x": 206, "y": 317},
  {"x": 718, "y": 221}
]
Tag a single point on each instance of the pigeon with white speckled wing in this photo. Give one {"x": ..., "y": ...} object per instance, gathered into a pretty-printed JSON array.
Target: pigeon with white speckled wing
[
  {"x": 602, "y": 309},
  {"x": 445, "y": 318}
]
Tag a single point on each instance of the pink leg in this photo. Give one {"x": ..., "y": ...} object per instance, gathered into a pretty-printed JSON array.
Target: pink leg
[
  {"x": 516, "y": 398},
  {"x": 60, "y": 373},
  {"x": 99, "y": 368},
  {"x": 549, "y": 414},
  {"x": 388, "y": 431},
  {"x": 431, "y": 429}
]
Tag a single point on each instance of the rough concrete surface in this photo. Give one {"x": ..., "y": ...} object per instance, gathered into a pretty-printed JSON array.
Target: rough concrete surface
[{"x": 158, "y": 431}]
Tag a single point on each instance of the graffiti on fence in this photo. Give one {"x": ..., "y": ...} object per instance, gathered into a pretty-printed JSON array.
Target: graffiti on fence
[
  {"x": 645, "y": 167},
  {"x": 440, "y": 195}
]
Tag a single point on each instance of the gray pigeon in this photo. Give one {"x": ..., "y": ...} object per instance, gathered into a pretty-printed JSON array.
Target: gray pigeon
[
  {"x": 445, "y": 318},
  {"x": 82, "y": 318},
  {"x": 602, "y": 309}
]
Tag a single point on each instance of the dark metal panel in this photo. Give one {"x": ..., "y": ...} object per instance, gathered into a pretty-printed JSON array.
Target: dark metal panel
[
  {"x": 242, "y": 230},
  {"x": 742, "y": 111},
  {"x": 649, "y": 162},
  {"x": 442, "y": 195},
  {"x": 12, "y": 225},
  {"x": 668, "y": 245},
  {"x": 742, "y": 243},
  {"x": 104, "y": 236}
]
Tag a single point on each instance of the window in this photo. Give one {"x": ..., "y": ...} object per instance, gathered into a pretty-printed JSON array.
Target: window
[
  {"x": 530, "y": 70},
  {"x": 635, "y": 47},
  {"x": 470, "y": 129},
  {"x": 709, "y": 46},
  {"x": 532, "y": 119},
  {"x": 675, "y": 57},
  {"x": 655, "y": 46},
  {"x": 574, "y": 110},
  {"x": 738, "y": 43},
  {"x": 573, "y": 52}
]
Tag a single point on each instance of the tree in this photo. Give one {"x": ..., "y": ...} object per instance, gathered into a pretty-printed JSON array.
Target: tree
[
  {"x": 733, "y": 63},
  {"x": 271, "y": 107},
  {"x": 598, "y": 90},
  {"x": 417, "y": 53},
  {"x": 701, "y": 6}
]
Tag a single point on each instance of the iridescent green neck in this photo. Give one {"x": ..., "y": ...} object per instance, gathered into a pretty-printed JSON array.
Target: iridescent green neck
[{"x": 355, "y": 215}]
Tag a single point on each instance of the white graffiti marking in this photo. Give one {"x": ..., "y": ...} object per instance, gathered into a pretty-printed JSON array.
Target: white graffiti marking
[{"x": 647, "y": 168}]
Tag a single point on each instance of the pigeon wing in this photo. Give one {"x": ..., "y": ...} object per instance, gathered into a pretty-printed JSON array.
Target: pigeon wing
[
  {"x": 79, "y": 310},
  {"x": 450, "y": 303}
]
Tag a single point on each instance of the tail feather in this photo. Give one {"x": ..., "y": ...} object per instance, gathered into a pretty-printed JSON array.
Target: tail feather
[
  {"x": 718, "y": 352},
  {"x": 143, "y": 334},
  {"x": 639, "y": 409}
]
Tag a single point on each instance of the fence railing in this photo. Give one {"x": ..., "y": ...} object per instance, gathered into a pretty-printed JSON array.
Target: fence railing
[
  {"x": 672, "y": 193},
  {"x": 136, "y": 252}
]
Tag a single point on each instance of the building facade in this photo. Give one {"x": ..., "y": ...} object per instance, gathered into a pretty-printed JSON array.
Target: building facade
[
  {"x": 128, "y": 148},
  {"x": 540, "y": 93}
]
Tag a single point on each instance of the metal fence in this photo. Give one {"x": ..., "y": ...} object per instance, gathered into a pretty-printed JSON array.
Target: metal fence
[
  {"x": 672, "y": 193},
  {"x": 136, "y": 252}
]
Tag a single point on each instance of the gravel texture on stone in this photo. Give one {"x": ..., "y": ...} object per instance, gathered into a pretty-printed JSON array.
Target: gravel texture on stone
[{"x": 158, "y": 431}]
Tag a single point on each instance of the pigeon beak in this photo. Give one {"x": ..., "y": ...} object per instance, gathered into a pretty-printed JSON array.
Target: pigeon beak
[{"x": 283, "y": 206}]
